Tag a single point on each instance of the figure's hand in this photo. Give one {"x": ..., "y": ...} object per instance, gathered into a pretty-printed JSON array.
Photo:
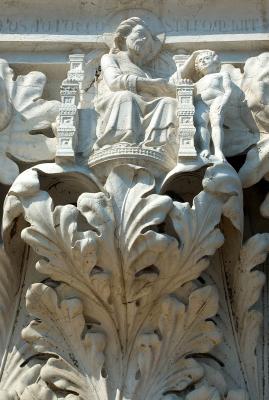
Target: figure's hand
[
  {"x": 156, "y": 87},
  {"x": 185, "y": 82},
  {"x": 172, "y": 90},
  {"x": 165, "y": 88}
]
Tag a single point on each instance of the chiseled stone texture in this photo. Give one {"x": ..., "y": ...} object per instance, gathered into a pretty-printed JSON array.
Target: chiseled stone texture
[{"x": 137, "y": 200}]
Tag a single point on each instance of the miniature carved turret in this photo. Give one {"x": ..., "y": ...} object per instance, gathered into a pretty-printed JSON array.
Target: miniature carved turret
[
  {"x": 67, "y": 130},
  {"x": 185, "y": 113}
]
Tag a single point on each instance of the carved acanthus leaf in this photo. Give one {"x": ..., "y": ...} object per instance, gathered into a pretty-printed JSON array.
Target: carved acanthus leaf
[
  {"x": 240, "y": 288},
  {"x": 68, "y": 255},
  {"x": 24, "y": 112},
  {"x": 137, "y": 213},
  {"x": 196, "y": 226},
  {"x": 199, "y": 238},
  {"x": 204, "y": 393},
  {"x": 222, "y": 181},
  {"x": 9, "y": 284},
  {"x": 256, "y": 165},
  {"x": 207, "y": 392},
  {"x": 255, "y": 168},
  {"x": 163, "y": 356},
  {"x": 5, "y": 395},
  {"x": 15, "y": 377},
  {"x": 246, "y": 287},
  {"x": 59, "y": 330},
  {"x": 123, "y": 250},
  {"x": 38, "y": 391}
]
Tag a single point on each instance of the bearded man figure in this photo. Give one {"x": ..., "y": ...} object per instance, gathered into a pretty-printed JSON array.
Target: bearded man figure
[{"x": 133, "y": 107}]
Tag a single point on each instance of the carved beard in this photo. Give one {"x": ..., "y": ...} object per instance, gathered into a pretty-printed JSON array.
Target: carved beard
[{"x": 137, "y": 46}]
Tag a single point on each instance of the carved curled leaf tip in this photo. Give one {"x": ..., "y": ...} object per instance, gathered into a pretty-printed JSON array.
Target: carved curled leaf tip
[{"x": 22, "y": 111}]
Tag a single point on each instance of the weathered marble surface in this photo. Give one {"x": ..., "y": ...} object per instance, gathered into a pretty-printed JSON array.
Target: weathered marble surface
[
  {"x": 23, "y": 111},
  {"x": 129, "y": 262}
]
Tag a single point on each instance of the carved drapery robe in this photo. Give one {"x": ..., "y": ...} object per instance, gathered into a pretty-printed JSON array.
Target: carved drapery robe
[{"x": 125, "y": 115}]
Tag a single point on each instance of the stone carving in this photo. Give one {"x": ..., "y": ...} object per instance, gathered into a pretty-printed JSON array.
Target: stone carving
[
  {"x": 247, "y": 286},
  {"x": 222, "y": 108},
  {"x": 243, "y": 326},
  {"x": 136, "y": 281},
  {"x": 216, "y": 98},
  {"x": 185, "y": 113},
  {"x": 67, "y": 128},
  {"x": 212, "y": 93},
  {"x": 68, "y": 123},
  {"x": 23, "y": 111},
  {"x": 255, "y": 84},
  {"x": 102, "y": 338},
  {"x": 134, "y": 107}
]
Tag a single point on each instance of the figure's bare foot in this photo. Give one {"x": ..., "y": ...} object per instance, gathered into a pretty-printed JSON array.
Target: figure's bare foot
[
  {"x": 205, "y": 153},
  {"x": 219, "y": 154}
]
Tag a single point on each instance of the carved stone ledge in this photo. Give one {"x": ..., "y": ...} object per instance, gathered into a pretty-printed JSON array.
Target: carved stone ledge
[{"x": 156, "y": 160}]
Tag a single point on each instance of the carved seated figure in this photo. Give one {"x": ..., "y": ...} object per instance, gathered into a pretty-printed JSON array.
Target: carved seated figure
[{"x": 133, "y": 107}]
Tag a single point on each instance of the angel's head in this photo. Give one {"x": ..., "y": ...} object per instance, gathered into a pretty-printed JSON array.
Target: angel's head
[{"x": 207, "y": 62}]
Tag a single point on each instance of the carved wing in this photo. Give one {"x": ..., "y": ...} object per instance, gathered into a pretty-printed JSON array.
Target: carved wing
[{"x": 255, "y": 84}]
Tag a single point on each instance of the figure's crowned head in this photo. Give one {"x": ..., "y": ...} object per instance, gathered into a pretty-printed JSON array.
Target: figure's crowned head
[{"x": 207, "y": 62}]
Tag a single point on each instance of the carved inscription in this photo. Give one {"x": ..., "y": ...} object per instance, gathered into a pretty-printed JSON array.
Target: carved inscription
[
  {"x": 93, "y": 25},
  {"x": 183, "y": 25}
]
